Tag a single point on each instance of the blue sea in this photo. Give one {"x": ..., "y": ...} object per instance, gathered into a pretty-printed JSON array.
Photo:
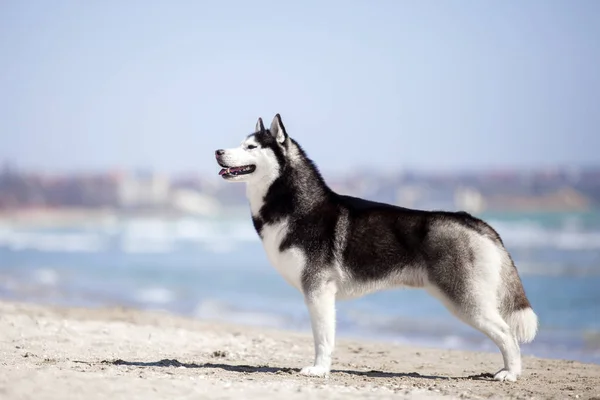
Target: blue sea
[{"x": 215, "y": 268}]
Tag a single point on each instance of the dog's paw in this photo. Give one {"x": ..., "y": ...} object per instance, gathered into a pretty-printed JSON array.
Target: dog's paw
[
  {"x": 505, "y": 375},
  {"x": 315, "y": 370}
]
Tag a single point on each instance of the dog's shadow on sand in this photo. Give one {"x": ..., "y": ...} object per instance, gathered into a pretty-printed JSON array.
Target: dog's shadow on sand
[{"x": 284, "y": 370}]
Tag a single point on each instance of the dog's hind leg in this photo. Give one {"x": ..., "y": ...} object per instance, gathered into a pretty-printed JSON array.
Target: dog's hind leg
[
  {"x": 469, "y": 289},
  {"x": 489, "y": 322},
  {"x": 320, "y": 300},
  {"x": 484, "y": 316}
]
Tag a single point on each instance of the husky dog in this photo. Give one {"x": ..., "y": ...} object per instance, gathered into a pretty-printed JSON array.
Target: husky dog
[{"x": 331, "y": 246}]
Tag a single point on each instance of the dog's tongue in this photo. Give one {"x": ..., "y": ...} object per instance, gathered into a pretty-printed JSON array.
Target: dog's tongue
[{"x": 230, "y": 170}]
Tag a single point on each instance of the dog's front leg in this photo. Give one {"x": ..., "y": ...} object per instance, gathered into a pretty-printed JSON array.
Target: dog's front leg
[{"x": 320, "y": 300}]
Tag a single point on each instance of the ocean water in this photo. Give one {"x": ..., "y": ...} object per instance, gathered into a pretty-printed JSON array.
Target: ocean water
[{"x": 217, "y": 269}]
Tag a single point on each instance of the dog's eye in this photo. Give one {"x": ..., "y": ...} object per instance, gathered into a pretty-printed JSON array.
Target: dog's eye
[{"x": 251, "y": 146}]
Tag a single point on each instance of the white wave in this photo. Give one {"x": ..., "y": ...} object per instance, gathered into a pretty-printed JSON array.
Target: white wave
[
  {"x": 132, "y": 246},
  {"x": 528, "y": 234},
  {"x": 577, "y": 241},
  {"x": 163, "y": 236},
  {"x": 59, "y": 242},
  {"x": 154, "y": 295},
  {"x": 46, "y": 276},
  {"x": 147, "y": 236},
  {"x": 556, "y": 269},
  {"x": 220, "y": 246},
  {"x": 154, "y": 229},
  {"x": 244, "y": 232},
  {"x": 193, "y": 230}
]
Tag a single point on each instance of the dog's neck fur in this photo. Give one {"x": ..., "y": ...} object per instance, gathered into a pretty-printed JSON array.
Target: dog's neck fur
[{"x": 298, "y": 181}]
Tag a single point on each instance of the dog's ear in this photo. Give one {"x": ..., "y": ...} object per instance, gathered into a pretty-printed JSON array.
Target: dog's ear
[
  {"x": 278, "y": 130},
  {"x": 260, "y": 127}
]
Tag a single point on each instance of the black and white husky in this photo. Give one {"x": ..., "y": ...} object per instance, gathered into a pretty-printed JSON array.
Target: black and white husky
[{"x": 330, "y": 246}]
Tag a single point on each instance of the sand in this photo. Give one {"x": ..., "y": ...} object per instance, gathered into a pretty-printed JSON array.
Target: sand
[{"x": 114, "y": 353}]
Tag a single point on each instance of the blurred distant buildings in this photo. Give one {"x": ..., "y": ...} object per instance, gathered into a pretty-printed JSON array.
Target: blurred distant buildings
[
  {"x": 122, "y": 191},
  {"x": 540, "y": 190},
  {"x": 147, "y": 192}
]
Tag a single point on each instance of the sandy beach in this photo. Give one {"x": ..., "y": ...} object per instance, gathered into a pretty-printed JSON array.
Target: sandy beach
[{"x": 73, "y": 353}]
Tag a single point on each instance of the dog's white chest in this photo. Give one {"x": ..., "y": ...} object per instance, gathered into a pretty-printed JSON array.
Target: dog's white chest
[{"x": 290, "y": 262}]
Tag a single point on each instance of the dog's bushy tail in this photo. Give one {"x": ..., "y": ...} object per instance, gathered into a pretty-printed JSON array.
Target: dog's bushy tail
[
  {"x": 524, "y": 324},
  {"x": 515, "y": 306}
]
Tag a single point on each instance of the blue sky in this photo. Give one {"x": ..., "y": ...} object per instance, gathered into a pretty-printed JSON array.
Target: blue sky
[{"x": 389, "y": 84}]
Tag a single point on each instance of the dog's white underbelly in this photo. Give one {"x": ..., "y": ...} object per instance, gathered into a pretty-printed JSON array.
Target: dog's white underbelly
[{"x": 289, "y": 263}]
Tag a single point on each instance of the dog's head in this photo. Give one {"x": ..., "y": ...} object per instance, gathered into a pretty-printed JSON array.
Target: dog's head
[{"x": 260, "y": 157}]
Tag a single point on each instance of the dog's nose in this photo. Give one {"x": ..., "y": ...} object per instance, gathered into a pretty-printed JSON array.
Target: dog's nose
[{"x": 219, "y": 152}]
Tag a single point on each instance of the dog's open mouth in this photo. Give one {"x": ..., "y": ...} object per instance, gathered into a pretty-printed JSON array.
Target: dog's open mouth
[{"x": 236, "y": 171}]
